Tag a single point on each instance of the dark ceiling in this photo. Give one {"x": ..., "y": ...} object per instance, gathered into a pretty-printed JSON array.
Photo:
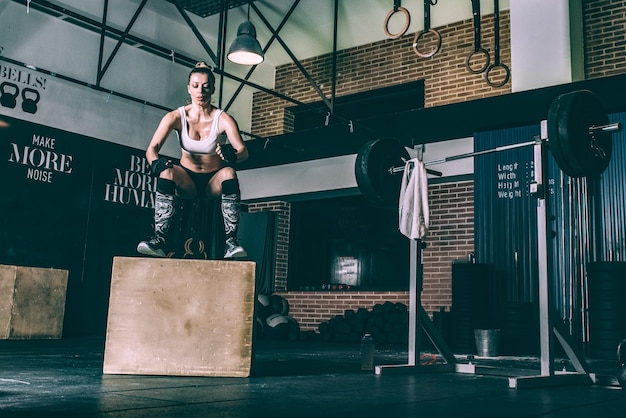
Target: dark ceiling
[{"x": 204, "y": 8}]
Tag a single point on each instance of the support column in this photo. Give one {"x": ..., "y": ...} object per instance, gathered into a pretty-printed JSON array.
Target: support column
[{"x": 546, "y": 43}]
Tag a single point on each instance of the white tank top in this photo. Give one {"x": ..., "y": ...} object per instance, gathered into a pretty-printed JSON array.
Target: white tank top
[{"x": 206, "y": 145}]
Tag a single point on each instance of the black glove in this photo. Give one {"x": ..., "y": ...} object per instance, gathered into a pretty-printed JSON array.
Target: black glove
[
  {"x": 160, "y": 164},
  {"x": 228, "y": 153}
]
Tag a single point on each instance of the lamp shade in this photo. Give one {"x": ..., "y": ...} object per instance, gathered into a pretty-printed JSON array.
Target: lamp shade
[{"x": 245, "y": 49}]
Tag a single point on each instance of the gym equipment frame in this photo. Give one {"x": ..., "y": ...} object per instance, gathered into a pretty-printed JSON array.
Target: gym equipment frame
[{"x": 579, "y": 135}]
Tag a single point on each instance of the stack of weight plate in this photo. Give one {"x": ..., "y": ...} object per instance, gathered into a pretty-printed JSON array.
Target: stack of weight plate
[
  {"x": 607, "y": 308},
  {"x": 470, "y": 304}
]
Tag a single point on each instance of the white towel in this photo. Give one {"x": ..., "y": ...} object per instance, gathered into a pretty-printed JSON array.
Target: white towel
[{"x": 413, "y": 204}]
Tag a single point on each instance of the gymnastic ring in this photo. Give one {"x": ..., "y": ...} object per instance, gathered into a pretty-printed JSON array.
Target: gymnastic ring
[
  {"x": 406, "y": 23},
  {"x": 475, "y": 53},
  {"x": 417, "y": 38},
  {"x": 507, "y": 74}
]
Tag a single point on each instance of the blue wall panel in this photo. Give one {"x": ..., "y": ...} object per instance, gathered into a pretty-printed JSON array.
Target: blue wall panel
[
  {"x": 505, "y": 213},
  {"x": 587, "y": 222}
]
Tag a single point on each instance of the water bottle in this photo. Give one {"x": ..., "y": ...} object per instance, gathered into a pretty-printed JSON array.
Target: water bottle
[{"x": 367, "y": 352}]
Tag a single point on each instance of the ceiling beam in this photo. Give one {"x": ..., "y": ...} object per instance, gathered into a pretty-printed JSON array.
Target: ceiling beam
[
  {"x": 102, "y": 69},
  {"x": 197, "y": 33},
  {"x": 86, "y": 22},
  {"x": 293, "y": 57},
  {"x": 124, "y": 37},
  {"x": 265, "y": 49}
]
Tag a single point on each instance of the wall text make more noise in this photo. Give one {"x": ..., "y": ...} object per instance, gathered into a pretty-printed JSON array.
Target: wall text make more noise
[{"x": 40, "y": 159}]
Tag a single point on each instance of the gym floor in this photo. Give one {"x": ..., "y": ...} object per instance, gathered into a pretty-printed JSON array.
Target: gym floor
[{"x": 51, "y": 378}]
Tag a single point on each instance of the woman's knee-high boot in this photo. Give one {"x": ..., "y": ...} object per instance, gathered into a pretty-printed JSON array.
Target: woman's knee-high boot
[
  {"x": 230, "y": 205},
  {"x": 164, "y": 208}
]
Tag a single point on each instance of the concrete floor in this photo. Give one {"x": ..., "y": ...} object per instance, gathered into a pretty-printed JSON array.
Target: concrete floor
[{"x": 61, "y": 378}]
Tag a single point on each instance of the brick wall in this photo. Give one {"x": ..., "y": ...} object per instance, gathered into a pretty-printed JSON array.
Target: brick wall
[
  {"x": 605, "y": 37},
  {"x": 447, "y": 80},
  {"x": 386, "y": 63},
  {"x": 283, "y": 210},
  {"x": 450, "y": 237}
]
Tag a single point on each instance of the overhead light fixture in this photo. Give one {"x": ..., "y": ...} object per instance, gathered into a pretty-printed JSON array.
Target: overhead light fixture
[{"x": 245, "y": 49}]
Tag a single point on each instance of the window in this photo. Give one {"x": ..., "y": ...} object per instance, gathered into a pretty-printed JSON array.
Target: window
[{"x": 346, "y": 244}]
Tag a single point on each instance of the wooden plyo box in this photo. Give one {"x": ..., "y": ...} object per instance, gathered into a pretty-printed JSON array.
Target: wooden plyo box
[
  {"x": 178, "y": 317},
  {"x": 32, "y": 302}
]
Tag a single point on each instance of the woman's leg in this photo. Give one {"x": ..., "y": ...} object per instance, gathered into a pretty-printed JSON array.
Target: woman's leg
[
  {"x": 172, "y": 181},
  {"x": 226, "y": 185}
]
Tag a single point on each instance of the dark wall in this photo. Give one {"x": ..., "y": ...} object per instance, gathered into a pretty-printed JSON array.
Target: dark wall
[{"x": 72, "y": 202}]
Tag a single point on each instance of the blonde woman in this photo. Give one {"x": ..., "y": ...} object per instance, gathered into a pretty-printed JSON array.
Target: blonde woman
[{"x": 205, "y": 166}]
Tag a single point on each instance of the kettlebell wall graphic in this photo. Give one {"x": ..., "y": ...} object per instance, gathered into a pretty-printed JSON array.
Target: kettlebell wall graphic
[
  {"x": 9, "y": 92},
  {"x": 20, "y": 88}
]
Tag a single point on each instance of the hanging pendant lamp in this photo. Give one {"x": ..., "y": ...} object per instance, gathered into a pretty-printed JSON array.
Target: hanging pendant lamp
[{"x": 245, "y": 49}]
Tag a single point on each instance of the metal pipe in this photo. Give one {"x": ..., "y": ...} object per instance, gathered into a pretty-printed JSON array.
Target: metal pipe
[
  {"x": 562, "y": 265},
  {"x": 610, "y": 128},
  {"x": 102, "y": 38},
  {"x": 398, "y": 169},
  {"x": 516, "y": 259},
  {"x": 607, "y": 225},
  {"x": 576, "y": 256},
  {"x": 615, "y": 190},
  {"x": 584, "y": 251},
  {"x": 567, "y": 248},
  {"x": 334, "y": 71},
  {"x": 221, "y": 48},
  {"x": 583, "y": 262},
  {"x": 83, "y": 83},
  {"x": 545, "y": 303}
]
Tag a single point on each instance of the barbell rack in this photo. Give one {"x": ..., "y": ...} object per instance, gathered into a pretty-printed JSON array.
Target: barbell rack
[{"x": 549, "y": 328}]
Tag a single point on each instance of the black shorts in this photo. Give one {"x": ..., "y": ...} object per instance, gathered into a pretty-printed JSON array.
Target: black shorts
[{"x": 201, "y": 180}]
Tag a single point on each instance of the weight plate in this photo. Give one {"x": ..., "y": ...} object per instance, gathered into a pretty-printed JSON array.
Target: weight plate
[
  {"x": 577, "y": 152},
  {"x": 567, "y": 146},
  {"x": 564, "y": 163},
  {"x": 373, "y": 162}
]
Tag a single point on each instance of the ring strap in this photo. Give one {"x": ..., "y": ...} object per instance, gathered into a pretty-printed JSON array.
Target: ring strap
[
  {"x": 496, "y": 31},
  {"x": 427, "y": 4},
  {"x": 476, "y": 16},
  {"x": 496, "y": 50}
]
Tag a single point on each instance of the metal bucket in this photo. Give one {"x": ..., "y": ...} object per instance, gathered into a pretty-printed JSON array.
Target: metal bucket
[{"x": 487, "y": 342}]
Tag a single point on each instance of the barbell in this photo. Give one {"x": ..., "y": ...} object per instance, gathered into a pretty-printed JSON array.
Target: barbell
[{"x": 579, "y": 136}]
